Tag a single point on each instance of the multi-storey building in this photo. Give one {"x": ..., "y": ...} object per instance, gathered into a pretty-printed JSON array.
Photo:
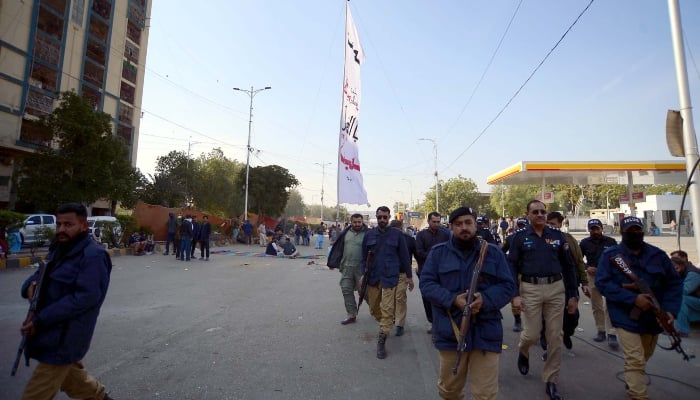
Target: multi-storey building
[{"x": 94, "y": 47}]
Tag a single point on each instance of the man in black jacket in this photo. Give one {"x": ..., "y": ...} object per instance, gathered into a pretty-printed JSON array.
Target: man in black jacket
[
  {"x": 345, "y": 255},
  {"x": 204, "y": 233},
  {"x": 425, "y": 240}
]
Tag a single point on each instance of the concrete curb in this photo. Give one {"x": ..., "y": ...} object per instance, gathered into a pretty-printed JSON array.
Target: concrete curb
[{"x": 24, "y": 262}]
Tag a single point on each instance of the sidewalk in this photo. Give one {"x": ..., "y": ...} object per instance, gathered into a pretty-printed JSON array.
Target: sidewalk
[{"x": 24, "y": 258}]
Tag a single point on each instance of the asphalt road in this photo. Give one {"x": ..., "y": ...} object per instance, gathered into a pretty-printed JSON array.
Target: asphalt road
[{"x": 242, "y": 327}]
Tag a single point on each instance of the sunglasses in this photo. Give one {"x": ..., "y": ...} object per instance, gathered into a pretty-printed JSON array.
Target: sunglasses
[
  {"x": 382, "y": 217},
  {"x": 541, "y": 212}
]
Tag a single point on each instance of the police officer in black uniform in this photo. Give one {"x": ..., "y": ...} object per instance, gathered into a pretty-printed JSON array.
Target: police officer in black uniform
[{"x": 592, "y": 247}]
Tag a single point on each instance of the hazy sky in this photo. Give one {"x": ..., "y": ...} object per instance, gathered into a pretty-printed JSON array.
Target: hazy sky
[{"x": 602, "y": 94}]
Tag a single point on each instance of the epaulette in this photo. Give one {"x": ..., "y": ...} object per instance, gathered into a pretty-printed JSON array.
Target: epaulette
[
  {"x": 554, "y": 228},
  {"x": 519, "y": 230}
]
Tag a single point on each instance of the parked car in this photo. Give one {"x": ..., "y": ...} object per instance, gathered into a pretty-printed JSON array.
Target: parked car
[
  {"x": 110, "y": 229},
  {"x": 34, "y": 227}
]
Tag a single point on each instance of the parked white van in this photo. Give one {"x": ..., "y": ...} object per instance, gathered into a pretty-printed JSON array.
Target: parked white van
[{"x": 102, "y": 223}]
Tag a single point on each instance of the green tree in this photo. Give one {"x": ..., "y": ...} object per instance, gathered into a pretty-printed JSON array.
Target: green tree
[
  {"x": 454, "y": 193},
  {"x": 216, "y": 186},
  {"x": 88, "y": 163},
  {"x": 295, "y": 205},
  {"x": 269, "y": 189}
]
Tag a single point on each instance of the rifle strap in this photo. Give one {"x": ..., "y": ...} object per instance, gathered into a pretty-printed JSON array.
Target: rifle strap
[{"x": 479, "y": 264}]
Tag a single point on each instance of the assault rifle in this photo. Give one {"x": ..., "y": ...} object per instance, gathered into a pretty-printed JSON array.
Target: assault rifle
[
  {"x": 34, "y": 301},
  {"x": 467, "y": 313},
  {"x": 365, "y": 279},
  {"x": 642, "y": 286}
]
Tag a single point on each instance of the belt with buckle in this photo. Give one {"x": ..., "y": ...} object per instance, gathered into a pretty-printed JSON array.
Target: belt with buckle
[{"x": 541, "y": 280}]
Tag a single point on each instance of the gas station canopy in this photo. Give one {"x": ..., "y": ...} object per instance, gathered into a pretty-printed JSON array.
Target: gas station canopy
[{"x": 592, "y": 173}]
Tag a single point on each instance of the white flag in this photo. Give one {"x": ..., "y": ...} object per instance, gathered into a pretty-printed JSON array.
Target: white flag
[{"x": 351, "y": 189}]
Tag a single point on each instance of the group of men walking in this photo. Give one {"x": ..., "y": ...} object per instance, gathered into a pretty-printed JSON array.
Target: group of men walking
[{"x": 539, "y": 271}]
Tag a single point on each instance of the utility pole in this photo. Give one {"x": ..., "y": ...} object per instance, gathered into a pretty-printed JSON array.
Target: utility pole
[
  {"x": 252, "y": 92},
  {"x": 323, "y": 177},
  {"x": 437, "y": 180},
  {"x": 187, "y": 171},
  {"x": 690, "y": 141}
]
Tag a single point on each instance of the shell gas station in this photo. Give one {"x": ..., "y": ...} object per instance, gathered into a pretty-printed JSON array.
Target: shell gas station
[{"x": 626, "y": 173}]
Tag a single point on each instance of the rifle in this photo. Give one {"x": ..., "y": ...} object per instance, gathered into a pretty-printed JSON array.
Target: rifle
[
  {"x": 642, "y": 286},
  {"x": 365, "y": 279},
  {"x": 467, "y": 313},
  {"x": 30, "y": 315}
]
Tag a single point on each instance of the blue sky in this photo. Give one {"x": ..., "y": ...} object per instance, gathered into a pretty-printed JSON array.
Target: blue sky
[{"x": 601, "y": 95}]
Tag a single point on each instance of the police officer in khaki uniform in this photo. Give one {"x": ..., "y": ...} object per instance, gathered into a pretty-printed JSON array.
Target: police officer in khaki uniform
[{"x": 540, "y": 255}]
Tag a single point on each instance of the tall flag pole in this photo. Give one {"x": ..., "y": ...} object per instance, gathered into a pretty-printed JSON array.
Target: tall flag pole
[{"x": 351, "y": 189}]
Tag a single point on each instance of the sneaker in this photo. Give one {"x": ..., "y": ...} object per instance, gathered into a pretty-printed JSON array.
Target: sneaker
[
  {"x": 612, "y": 342},
  {"x": 398, "y": 331},
  {"x": 166, "y": 253},
  {"x": 600, "y": 337}
]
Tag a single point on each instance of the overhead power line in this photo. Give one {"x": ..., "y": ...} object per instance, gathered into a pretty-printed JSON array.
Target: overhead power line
[
  {"x": 517, "y": 92},
  {"x": 483, "y": 74}
]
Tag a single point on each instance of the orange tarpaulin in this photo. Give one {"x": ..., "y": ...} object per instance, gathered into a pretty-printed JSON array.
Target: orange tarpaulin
[{"x": 156, "y": 218}]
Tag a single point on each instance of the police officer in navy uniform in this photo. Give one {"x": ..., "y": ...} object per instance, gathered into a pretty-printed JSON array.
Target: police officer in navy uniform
[
  {"x": 483, "y": 231},
  {"x": 540, "y": 255},
  {"x": 520, "y": 223},
  {"x": 592, "y": 247},
  {"x": 638, "y": 335}
]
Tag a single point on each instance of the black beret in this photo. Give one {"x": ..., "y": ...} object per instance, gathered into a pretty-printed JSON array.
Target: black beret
[{"x": 462, "y": 211}]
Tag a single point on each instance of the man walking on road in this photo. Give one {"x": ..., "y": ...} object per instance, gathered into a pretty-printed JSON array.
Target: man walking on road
[
  {"x": 592, "y": 247},
  {"x": 386, "y": 250},
  {"x": 346, "y": 255},
  {"x": 425, "y": 240},
  {"x": 445, "y": 282},
  {"x": 541, "y": 256},
  {"x": 638, "y": 335},
  {"x": 72, "y": 290}
]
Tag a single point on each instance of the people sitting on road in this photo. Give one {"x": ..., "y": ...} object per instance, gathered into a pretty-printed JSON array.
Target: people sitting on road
[
  {"x": 137, "y": 244},
  {"x": 654, "y": 230},
  {"x": 150, "y": 244},
  {"x": 289, "y": 250},
  {"x": 274, "y": 249}
]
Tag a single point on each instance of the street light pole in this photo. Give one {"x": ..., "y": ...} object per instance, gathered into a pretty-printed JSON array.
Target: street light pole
[
  {"x": 437, "y": 181},
  {"x": 410, "y": 186},
  {"x": 323, "y": 177},
  {"x": 252, "y": 92}
]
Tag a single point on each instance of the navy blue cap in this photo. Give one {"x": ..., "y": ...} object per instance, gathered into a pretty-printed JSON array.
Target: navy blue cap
[
  {"x": 594, "y": 222},
  {"x": 522, "y": 221},
  {"x": 629, "y": 222}
]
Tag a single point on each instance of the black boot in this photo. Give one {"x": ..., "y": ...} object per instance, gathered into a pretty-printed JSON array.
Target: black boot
[
  {"x": 600, "y": 337},
  {"x": 518, "y": 326},
  {"x": 551, "y": 389},
  {"x": 381, "y": 346}
]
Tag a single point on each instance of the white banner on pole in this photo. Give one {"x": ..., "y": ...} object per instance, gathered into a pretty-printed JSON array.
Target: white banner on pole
[{"x": 351, "y": 189}]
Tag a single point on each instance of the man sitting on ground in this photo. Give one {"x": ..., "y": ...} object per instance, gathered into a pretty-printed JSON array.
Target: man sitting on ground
[
  {"x": 289, "y": 250},
  {"x": 690, "y": 306},
  {"x": 137, "y": 244},
  {"x": 273, "y": 249}
]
